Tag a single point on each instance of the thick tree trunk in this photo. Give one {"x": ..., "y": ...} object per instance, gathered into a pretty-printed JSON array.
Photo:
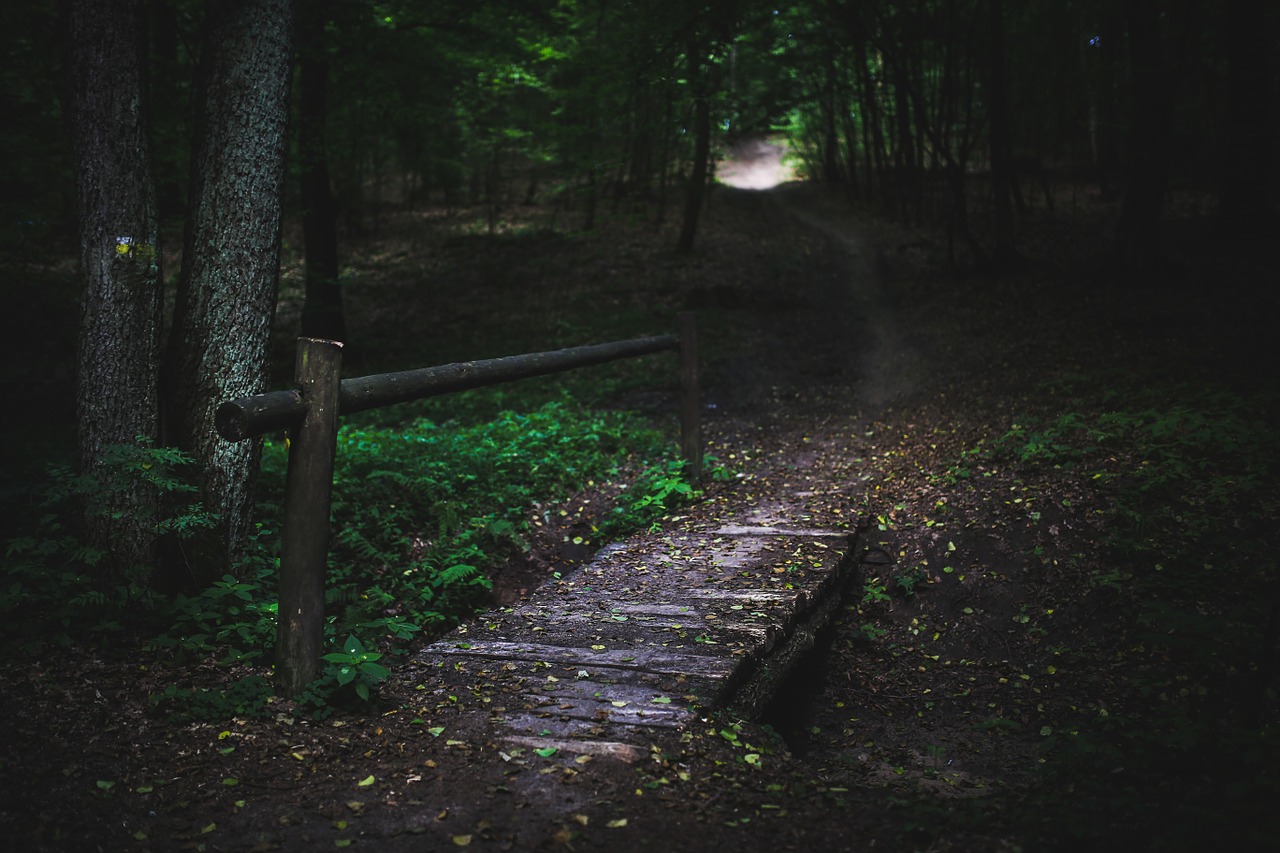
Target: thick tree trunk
[
  {"x": 118, "y": 360},
  {"x": 322, "y": 315},
  {"x": 226, "y": 295}
]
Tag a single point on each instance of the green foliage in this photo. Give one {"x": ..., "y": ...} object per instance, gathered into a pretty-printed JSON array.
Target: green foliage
[
  {"x": 356, "y": 667},
  {"x": 422, "y": 510},
  {"x": 50, "y": 589},
  {"x": 234, "y": 618},
  {"x": 875, "y": 590},
  {"x": 658, "y": 490},
  {"x": 421, "y": 513},
  {"x": 248, "y": 696}
]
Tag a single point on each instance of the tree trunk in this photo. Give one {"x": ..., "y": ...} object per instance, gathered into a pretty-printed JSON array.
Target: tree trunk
[
  {"x": 851, "y": 146},
  {"x": 226, "y": 295},
  {"x": 831, "y": 137},
  {"x": 698, "y": 176},
  {"x": 119, "y": 341},
  {"x": 322, "y": 315}
]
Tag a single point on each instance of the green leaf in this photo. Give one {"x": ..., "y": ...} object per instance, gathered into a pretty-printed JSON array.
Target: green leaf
[
  {"x": 547, "y": 752},
  {"x": 366, "y": 781},
  {"x": 375, "y": 672}
]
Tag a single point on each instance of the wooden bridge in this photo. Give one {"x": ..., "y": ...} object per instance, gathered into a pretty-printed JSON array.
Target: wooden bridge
[{"x": 651, "y": 634}]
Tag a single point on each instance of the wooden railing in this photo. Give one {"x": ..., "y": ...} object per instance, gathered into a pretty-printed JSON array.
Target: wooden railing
[{"x": 310, "y": 412}]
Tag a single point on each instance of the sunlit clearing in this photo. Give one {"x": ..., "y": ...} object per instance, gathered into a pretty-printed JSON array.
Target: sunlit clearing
[{"x": 754, "y": 164}]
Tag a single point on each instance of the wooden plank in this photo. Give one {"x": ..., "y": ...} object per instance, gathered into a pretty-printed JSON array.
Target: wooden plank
[{"x": 644, "y": 660}]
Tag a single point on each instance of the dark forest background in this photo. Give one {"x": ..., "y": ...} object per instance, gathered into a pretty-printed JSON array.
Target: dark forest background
[{"x": 163, "y": 144}]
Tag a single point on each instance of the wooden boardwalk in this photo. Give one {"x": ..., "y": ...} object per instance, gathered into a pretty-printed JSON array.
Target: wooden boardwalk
[{"x": 651, "y": 634}]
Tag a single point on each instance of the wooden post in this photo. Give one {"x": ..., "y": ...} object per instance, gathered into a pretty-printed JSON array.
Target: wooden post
[
  {"x": 304, "y": 539},
  {"x": 690, "y": 409}
]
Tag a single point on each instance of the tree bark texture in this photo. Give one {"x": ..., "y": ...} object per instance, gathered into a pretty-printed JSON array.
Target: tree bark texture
[
  {"x": 226, "y": 295},
  {"x": 119, "y": 340}
]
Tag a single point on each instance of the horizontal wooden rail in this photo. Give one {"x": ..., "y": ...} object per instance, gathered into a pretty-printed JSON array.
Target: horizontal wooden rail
[{"x": 249, "y": 416}]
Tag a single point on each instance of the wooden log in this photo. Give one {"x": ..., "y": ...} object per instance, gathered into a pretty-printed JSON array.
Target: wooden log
[
  {"x": 249, "y": 416},
  {"x": 304, "y": 538}
]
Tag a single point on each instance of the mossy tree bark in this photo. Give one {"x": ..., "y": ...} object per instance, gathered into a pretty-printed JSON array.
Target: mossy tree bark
[
  {"x": 119, "y": 339},
  {"x": 226, "y": 295}
]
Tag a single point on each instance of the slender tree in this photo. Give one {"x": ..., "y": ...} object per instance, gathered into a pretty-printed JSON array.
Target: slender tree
[
  {"x": 226, "y": 294},
  {"x": 697, "y": 187},
  {"x": 119, "y": 341}
]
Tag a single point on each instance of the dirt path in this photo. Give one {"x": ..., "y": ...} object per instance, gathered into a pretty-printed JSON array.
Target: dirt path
[
  {"x": 890, "y": 367},
  {"x": 857, "y": 323}
]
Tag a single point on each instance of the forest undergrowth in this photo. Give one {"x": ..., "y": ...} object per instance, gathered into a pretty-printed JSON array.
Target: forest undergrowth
[{"x": 1062, "y": 633}]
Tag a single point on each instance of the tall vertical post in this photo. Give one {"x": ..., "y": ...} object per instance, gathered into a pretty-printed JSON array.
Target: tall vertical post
[
  {"x": 304, "y": 539},
  {"x": 690, "y": 409}
]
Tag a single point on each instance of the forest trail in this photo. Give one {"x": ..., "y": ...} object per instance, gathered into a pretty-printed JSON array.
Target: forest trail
[
  {"x": 712, "y": 613},
  {"x": 890, "y": 367},
  {"x": 843, "y": 330}
]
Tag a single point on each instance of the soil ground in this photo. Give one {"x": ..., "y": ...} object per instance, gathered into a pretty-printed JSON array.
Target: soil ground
[{"x": 846, "y": 370}]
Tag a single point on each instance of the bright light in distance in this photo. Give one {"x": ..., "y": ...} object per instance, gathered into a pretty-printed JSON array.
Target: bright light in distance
[{"x": 754, "y": 163}]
